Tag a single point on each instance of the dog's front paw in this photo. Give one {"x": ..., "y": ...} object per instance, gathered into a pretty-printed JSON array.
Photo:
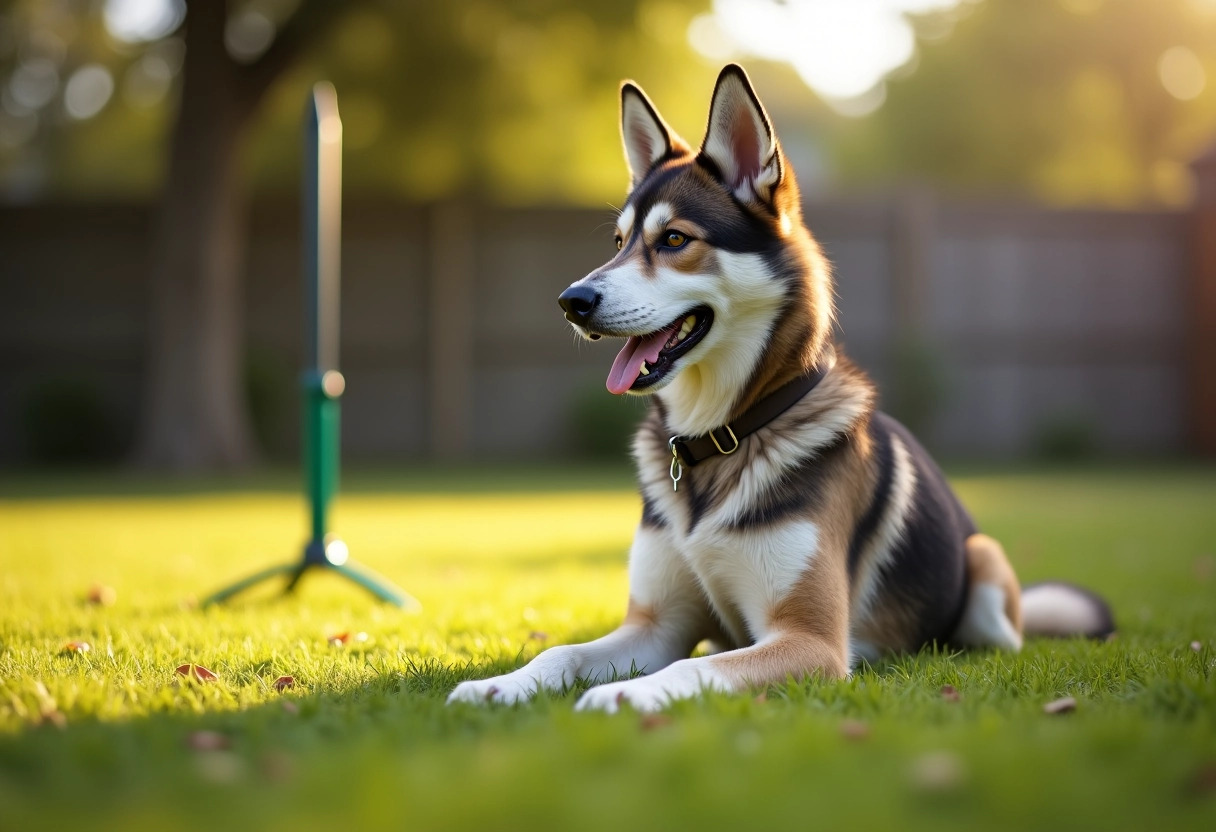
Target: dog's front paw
[
  {"x": 642, "y": 694},
  {"x": 681, "y": 680},
  {"x": 504, "y": 690}
]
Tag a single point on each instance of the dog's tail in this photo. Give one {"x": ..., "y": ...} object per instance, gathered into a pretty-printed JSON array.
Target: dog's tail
[{"x": 1056, "y": 608}]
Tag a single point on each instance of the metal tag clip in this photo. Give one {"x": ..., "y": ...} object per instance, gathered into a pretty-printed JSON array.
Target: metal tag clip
[{"x": 676, "y": 470}]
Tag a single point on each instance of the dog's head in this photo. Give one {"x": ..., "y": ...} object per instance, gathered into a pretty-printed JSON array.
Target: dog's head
[{"x": 716, "y": 284}]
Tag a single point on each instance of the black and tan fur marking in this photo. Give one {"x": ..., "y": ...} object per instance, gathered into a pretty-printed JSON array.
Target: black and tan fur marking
[{"x": 829, "y": 536}]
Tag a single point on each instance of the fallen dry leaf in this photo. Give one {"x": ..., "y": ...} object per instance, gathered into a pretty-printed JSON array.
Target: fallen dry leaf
[
  {"x": 276, "y": 766},
  {"x": 101, "y": 595},
  {"x": 950, "y": 693},
  {"x": 1061, "y": 706},
  {"x": 220, "y": 766},
  {"x": 76, "y": 647},
  {"x": 284, "y": 682},
  {"x": 1203, "y": 781},
  {"x": 208, "y": 741},
  {"x": 761, "y": 698},
  {"x": 48, "y": 709},
  {"x": 938, "y": 771},
  {"x": 1196, "y": 646},
  {"x": 1205, "y": 567},
  {"x": 291, "y": 708},
  {"x": 854, "y": 729},
  {"x": 196, "y": 672},
  {"x": 53, "y": 717},
  {"x": 340, "y": 639},
  {"x": 650, "y": 722},
  {"x": 538, "y": 635}
]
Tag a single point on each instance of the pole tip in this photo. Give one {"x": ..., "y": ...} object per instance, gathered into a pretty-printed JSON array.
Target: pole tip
[{"x": 323, "y": 107}]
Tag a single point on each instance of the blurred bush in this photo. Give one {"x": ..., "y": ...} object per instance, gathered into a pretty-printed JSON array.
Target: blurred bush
[
  {"x": 1067, "y": 437},
  {"x": 66, "y": 422},
  {"x": 270, "y": 392},
  {"x": 918, "y": 385},
  {"x": 601, "y": 424}
]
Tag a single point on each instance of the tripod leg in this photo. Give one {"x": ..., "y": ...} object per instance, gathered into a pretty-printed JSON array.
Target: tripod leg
[
  {"x": 298, "y": 572},
  {"x": 240, "y": 586},
  {"x": 379, "y": 586}
]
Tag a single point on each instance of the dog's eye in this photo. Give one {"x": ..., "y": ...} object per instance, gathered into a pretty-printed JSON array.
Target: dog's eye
[
  {"x": 674, "y": 239},
  {"x": 619, "y": 243}
]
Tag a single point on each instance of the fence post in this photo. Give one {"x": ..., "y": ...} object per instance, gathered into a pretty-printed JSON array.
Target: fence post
[
  {"x": 451, "y": 240},
  {"x": 913, "y": 232},
  {"x": 914, "y": 377},
  {"x": 1201, "y": 308}
]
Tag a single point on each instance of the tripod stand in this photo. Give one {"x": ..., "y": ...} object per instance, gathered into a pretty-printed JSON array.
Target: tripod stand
[{"x": 322, "y": 384}]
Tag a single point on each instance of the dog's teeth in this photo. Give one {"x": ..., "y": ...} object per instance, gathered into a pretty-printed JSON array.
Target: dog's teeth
[
  {"x": 684, "y": 330},
  {"x": 645, "y": 369},
  {"x": 690, "y": 321}
]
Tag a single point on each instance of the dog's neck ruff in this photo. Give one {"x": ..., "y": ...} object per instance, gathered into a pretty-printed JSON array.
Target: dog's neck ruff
[{"x": 690, "y": 451}]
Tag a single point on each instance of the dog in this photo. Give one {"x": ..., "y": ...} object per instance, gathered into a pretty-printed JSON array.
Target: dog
[{"x": 784, "y": 519}]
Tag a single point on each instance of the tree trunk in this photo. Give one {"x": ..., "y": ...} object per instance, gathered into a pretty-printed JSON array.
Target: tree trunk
[{"x": 195, "y": 415}]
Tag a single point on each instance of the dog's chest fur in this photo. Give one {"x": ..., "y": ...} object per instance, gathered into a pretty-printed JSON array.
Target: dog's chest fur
[{"x": 749, "y": 526}]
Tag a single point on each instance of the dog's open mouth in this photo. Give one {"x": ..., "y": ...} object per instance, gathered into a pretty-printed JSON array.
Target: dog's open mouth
[{"x": 646, "y": 359}]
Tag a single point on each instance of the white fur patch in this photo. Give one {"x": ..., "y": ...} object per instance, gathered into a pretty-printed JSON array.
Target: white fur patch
[
  {"x": 984, "y": 623},
  {"x": 747, "y": 573},
  {"x": 1054, "y": 610},
  {"x": 746, "y": 300},
  {"x": 656, "y": 220},
  {"x": 890, "y": 529},
  {"x": 681, "y": 680},
  {"x": 624, "y": 223}
]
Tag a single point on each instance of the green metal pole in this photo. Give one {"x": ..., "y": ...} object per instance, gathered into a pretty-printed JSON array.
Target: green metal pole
[
  {"x": 321, "y": 456},
  {"x": 321, "y": 383}
]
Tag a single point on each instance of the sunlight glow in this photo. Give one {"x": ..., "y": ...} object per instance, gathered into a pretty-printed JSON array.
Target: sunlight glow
[
  {"x": 843, "y": 49},
  {"x": 1181, "y": 73},
  {"x": 137, "y": 21},
  {"x": 88, "y": 91}
]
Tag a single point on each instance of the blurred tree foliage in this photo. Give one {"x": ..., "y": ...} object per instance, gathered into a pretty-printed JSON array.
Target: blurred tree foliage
[
  {"x": 1064, "y": 100},
  {"x": 512, "y": 99}
]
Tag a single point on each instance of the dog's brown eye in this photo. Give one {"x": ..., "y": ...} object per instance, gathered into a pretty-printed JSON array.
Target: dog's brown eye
[
  {"x": 619, "y": 243},
  {"x": 674, "y": 239}
]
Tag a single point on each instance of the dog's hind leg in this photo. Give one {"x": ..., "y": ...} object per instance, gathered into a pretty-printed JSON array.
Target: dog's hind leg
[{"x": 993, "y": 614}]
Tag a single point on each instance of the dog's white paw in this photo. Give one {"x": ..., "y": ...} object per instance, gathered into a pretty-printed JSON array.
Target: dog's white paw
[
  {"x": 610, "y": 697},
  {"x": 503, "y": 690},
  {"x": 653, "y": 693}
]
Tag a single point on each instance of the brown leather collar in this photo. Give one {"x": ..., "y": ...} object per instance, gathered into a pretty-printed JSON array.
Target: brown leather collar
[{"x": 725, "y": 439}]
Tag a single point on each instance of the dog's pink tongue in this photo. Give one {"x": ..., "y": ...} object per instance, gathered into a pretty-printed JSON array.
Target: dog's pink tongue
[{"x": 628, "y": 363}]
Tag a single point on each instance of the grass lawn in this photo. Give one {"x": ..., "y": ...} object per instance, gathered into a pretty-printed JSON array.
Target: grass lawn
[{"x": 504, "y": 564}]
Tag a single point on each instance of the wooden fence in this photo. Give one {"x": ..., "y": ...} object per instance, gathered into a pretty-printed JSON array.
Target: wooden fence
[{"x": 997, "y": 330}]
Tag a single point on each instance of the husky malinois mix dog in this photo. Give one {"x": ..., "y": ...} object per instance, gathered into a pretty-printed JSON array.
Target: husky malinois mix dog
[{"x": 784, "y": 519}]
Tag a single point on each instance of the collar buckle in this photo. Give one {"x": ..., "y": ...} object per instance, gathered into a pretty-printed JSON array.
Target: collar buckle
[{"x": 718, "y": 444}]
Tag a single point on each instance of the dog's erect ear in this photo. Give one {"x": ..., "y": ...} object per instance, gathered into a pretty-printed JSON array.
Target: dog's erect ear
[
  {"x": 740, "y": 140},
  {"x": 647, "y": 138}
]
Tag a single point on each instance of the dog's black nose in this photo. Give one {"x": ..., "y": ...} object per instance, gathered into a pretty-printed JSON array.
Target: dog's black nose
[{"x": 578, "y": 302}]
